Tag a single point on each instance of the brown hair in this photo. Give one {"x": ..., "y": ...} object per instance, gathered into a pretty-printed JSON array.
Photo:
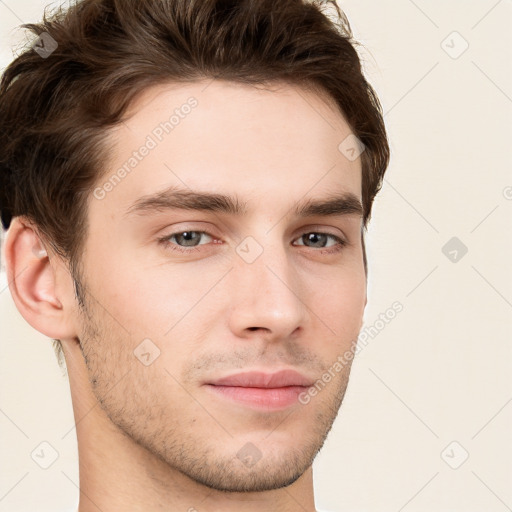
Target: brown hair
[{"x": 56, "y": 107}]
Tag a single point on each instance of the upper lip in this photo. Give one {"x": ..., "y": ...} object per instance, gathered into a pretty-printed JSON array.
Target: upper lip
[{"x": 258, "y": 379}]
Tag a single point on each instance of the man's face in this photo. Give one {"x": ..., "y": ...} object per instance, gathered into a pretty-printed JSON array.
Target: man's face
[{"x": 265, "y": 291}]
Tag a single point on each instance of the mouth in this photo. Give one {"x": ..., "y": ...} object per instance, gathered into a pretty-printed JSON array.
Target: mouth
[{"x": 260, "y": 390}]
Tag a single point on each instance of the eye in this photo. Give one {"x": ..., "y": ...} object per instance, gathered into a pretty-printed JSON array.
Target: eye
[
  {"x": 187, "y": 238},
  {"x": 188, "y": 241},
  {"x": 320, "y": 238}
]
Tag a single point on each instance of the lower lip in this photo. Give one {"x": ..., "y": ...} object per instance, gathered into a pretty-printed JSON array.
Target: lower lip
[{"x": 262, "y": 398}]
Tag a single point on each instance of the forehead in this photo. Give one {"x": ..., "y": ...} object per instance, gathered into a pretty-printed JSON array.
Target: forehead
[{"x": 216, "y": 136}]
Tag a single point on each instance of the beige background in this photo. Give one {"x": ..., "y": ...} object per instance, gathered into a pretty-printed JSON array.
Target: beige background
[{"x": 440, "y": 371}]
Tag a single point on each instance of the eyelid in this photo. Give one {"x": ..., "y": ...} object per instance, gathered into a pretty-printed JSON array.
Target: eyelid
[{"x": 321, "y": 228}]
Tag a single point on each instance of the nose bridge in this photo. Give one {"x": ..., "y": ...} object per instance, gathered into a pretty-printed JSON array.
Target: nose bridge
[{"x": 267, "y": 290}]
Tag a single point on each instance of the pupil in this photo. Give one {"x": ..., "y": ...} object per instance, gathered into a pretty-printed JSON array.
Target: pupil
[
  {"x": 313, "y": 236},
  {"x": 188, "y": 236}
]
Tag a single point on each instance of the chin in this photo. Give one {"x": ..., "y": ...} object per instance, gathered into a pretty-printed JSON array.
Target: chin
[{"x": 242, "y": 481}]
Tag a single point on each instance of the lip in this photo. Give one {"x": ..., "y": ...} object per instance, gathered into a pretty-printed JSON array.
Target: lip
[
  {"x": 255, "y": 379},
  {"x": 261, "y": 390}
]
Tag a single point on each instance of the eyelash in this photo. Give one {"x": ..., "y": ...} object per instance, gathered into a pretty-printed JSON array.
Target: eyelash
[{"x": 165, "y": 241}]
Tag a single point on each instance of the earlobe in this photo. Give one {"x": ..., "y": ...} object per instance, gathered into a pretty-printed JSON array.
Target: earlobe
[{"x": 32, "y": 283}]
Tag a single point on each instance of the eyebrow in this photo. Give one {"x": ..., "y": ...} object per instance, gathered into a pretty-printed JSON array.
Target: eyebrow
[{"x": 345, "y": 203}]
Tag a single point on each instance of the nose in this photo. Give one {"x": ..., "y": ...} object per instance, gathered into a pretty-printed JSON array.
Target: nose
[{"x": 267, "y": 296}]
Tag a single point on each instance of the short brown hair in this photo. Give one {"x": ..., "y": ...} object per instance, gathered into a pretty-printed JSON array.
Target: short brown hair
[{"x": 56, "y": 109}]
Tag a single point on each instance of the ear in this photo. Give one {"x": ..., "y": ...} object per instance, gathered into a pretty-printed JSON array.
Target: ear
[{"x": 32, "y": 282}]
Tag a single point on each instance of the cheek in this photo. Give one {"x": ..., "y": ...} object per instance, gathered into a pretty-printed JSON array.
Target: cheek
[
  {"x": 340, "y": 304},
  {"x": 149, "y": 299}
]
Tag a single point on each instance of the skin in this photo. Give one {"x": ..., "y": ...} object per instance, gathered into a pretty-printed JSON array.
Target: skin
[{"x": 153, "y": 437}]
